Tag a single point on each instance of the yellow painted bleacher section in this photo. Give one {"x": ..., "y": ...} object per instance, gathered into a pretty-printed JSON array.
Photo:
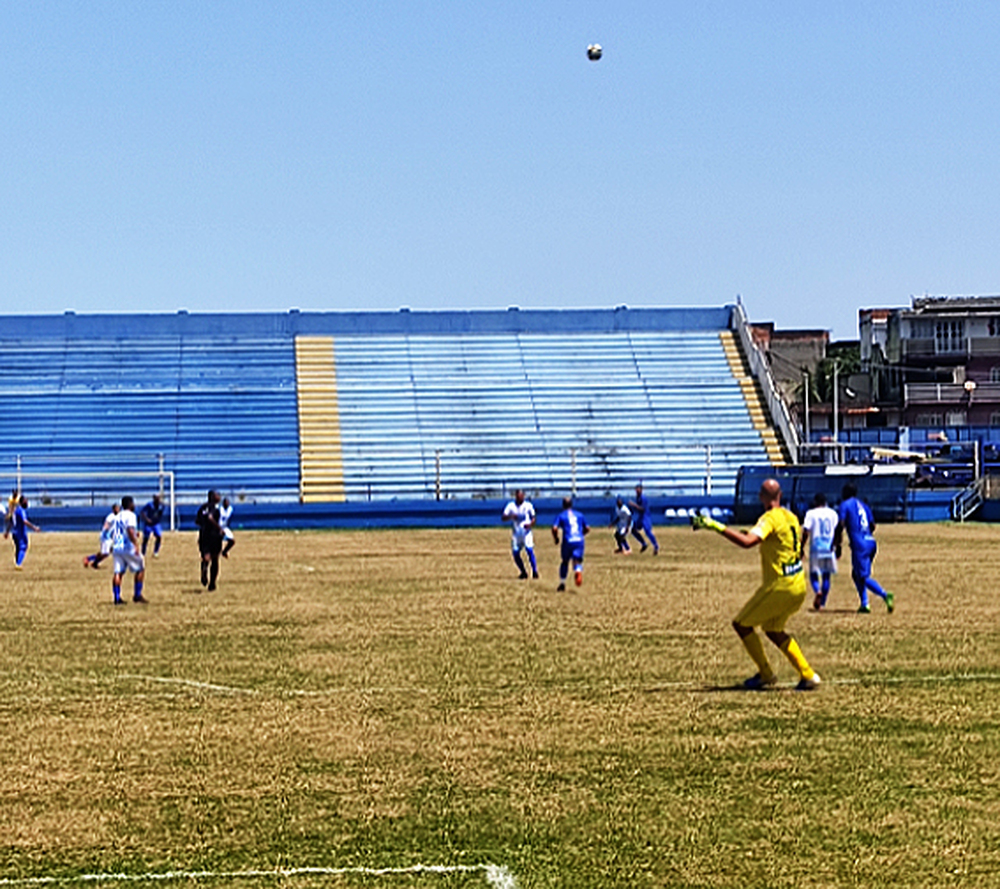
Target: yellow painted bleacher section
[
  {"x": 751, "y": 394},
  {"x": 321, "y": 465}
]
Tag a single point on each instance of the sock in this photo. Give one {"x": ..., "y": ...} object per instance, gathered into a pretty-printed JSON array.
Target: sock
[
  {"x": 519, "y": 562},
  {"x": 814, "y": 582},
  {"x": 755, "y": 648},
  {"x": 156, "y": 545},
  {"x": 534, "y": 564},
  {"x": 798, "y": 660},
  {"x": 563, "y": 570},
  {"x": 117, "y": 590},
  {"x": 214, "y": 574},
  {"x": 875, "y": 587},
  {"x": 137, "y": 593},
  {"x": 826, "y": 586}
]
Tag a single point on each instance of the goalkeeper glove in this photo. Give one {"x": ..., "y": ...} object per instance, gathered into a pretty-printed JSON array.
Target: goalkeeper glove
[{"x": 704, "y": 521}]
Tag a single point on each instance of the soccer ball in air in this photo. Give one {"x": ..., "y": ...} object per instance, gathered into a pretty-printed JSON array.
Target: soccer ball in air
[{"x": 594, "y": 52}]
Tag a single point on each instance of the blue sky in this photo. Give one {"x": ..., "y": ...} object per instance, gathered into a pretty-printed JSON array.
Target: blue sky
[{"x": 815, "y": 158}]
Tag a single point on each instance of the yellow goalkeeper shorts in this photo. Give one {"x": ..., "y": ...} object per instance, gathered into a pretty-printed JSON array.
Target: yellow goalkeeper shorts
[{"x": 770, "y": 607}]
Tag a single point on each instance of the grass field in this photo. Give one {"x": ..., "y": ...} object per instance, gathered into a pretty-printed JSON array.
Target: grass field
[{"x": 357, "y": 708}]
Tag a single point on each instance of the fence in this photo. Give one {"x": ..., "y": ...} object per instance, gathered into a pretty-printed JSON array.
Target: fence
[{"x": 470, "y": 473}]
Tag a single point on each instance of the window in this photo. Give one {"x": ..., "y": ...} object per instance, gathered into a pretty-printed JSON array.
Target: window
[
  {"x": 956, "y": 418},
  {"x": 922, "y": 329},
  {"x": 995, "y": 418},
  {"x": 949, "y": 336},
  {"x": 993, "y": 326},
  {"x": 928, "y": 420},
  {"x": 995, "y": 374}
]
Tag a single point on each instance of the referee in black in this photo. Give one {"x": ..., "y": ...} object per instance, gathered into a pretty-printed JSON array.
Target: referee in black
[{"x": 209, "y": 539}]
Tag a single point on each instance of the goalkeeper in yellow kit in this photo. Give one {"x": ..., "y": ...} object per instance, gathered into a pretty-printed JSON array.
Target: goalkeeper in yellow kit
[{"x": 782, "y": 590}]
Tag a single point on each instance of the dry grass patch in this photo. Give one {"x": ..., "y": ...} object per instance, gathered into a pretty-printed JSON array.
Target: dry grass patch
[{"x": 385, "y": 699}]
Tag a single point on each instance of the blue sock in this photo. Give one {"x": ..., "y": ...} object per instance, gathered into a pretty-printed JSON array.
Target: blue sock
[
  {"x": 814, "y": 580},
  {"x": 137, "y": 592},
  {"x": 519, "y": 562},
  {"x": 874, "y": 586},
  {"x": 117, "y": 590},
  {"x": 534, "y": 564}
]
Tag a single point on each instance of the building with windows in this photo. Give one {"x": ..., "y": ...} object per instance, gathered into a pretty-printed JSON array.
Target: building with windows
[{"x": 936, "y": 364}]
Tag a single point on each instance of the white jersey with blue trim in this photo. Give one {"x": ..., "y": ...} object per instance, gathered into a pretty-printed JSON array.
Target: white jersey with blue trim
[
  {"x": 821, "y": 523},
  {"x": 121, "y": 542}
]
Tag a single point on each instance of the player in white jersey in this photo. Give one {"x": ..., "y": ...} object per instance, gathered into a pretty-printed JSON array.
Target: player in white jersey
[
  {"x": 225, "y": 515},
  {"x": 621, "y": 521},
  {"x": 818, "y": 529},
  {"x": 521, "y": 514},
  {"x": 125, "y": 548},
  {"x": 107, "y": 540}
]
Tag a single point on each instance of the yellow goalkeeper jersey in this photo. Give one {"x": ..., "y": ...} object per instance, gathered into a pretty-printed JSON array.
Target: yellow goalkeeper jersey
[{"x": 780, "y": 545}]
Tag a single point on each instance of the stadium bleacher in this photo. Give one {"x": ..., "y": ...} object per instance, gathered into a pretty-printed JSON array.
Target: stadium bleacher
[{"x": 448, "y": 405}]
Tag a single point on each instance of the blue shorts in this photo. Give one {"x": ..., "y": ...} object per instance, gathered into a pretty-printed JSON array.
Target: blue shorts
[
  {"x": 572, "y": 551},
  {"x": 152, "y": 529},
  {"x": 862, "y": 554}
]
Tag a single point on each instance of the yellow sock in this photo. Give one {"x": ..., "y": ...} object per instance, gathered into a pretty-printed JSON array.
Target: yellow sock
[
  {"x": 755, "y": 648},
  {"x": 798, "y": 659}
]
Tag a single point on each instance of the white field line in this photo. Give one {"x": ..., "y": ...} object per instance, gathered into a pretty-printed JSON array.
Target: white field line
[
  {"x": 683, "y": 685},
  {"x": 498, "y": 877},
  {"x": 9, "y": 699},
  {"x": 190, "y": 683}
]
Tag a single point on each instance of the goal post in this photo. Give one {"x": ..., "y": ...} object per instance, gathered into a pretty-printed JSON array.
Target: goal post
[{"x": 87, "y": 488}]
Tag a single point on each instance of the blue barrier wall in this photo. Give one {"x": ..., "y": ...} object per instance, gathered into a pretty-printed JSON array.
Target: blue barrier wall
[{"x": 387, "y": 514}]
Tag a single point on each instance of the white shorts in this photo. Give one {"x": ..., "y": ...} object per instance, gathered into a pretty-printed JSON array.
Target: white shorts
[
  {"x": 106, "y": 546},
  {"x": 522, "y": 539},
  {"x": 822, "y": 564},
  {"x": 227, "y": 534},
  {"x": 128, "y": 562}
]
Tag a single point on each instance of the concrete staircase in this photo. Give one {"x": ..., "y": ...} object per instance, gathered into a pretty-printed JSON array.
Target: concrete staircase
[{"x": 777, "y": 453}]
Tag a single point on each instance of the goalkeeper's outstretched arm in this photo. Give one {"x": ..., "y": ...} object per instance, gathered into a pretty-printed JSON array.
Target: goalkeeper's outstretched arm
[{"x": 740, "y": 538}]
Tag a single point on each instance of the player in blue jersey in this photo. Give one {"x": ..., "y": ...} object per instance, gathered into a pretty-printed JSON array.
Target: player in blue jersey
[
  {"x": 857, "y": 520},
  {"x": 125, "y": 549},
  {"x": 19, "y": 524},
  {"x": 642, "y": 521},
  {"x": 819, "y": 527},
  {"x": 574, "y": 528},
  {"x": 151, "y": 516}
]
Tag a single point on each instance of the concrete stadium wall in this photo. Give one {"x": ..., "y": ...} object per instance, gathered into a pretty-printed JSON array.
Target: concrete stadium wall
[{"x": 294, "y": 323}]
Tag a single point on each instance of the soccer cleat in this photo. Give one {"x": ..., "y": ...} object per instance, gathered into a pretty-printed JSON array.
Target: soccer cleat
[
  {"x": 211, "y": 587},
  {"x": 140, "y": 599},
  {"x": 818, "y": 603},
  {"x": 808, "y": 684},
  {"x": 578, "y": 578},
  {"x": 645, "y": 546},
  {"x": 534, "y": 575},
  {"x": 890, "y": 601},
  {"x": 204, "y": 574},
  {"x": 758, "y": 683},
  {"x": 561, "y": 588},
  {"x": 522, "y": 576},
  {"x": 864, "y": 609},
  {"x": 656, "y": 550}
]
